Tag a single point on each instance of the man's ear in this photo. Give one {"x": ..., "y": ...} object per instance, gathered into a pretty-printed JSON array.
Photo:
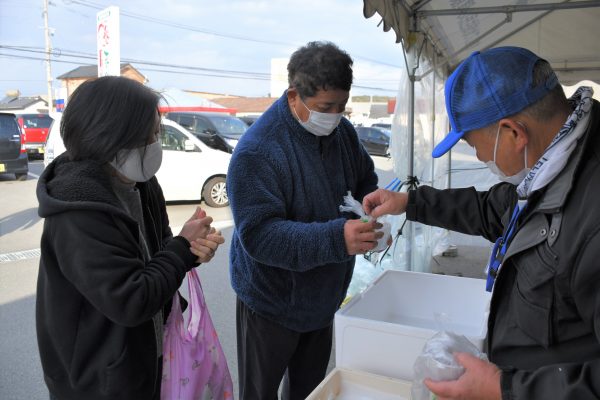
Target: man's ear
[
  {"x": 517, "y": 130},
  {"x": 292, "y": 94}
]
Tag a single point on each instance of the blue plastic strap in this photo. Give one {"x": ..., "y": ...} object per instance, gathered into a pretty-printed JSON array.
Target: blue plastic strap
[
  {"x": 499, "y": 249},
  {"x": 389, "y": 185}
]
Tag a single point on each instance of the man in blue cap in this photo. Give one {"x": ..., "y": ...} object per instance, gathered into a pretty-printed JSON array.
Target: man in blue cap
[{"x": 544, "y": 325}]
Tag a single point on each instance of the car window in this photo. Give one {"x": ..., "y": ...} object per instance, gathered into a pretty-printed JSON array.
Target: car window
[
  {"x": 8, "y": 127},
  {"x": 202, "y": 125},
  {"x": 229, "y": 125},
  {"x": 172, "y": 139},
  {"x": 36, "y": 121},
  {"x": 187, "y": 121},
  {"x": 385, "y": 126}
]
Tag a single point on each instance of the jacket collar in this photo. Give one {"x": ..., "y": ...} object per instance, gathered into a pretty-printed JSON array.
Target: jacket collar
[{"x": 554, "y": 196}]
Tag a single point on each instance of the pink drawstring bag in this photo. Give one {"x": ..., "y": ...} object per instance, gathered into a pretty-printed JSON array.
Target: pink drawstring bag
[{"x": 194, "y": 366}]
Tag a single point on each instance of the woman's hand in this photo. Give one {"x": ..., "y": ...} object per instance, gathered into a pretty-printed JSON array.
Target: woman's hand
[
  {"x": 197, "y": 227},
  {"x": 205, "y": 248}
]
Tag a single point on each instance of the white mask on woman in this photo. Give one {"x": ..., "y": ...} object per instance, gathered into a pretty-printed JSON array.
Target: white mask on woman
[
  {"x": 139, "y": 164},
  {"x": 318, "y": 123},
  {"x": 515, "y": 179}
]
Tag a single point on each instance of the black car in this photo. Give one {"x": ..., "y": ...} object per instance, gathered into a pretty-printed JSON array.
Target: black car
[
  {"x": 249, "y": 119},
  {"x": 382, "y": 125},
  {"x": 376, "y": 140},
  {"x": 217, "y": 130},
  {"x": 13, "y": 155}
]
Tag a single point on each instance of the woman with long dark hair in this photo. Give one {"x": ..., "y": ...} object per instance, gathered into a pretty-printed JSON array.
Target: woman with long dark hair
[{"x": 109, "y": 264}]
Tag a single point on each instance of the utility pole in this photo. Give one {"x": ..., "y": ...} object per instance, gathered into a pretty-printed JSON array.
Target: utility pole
[{"x": 48, "y": 50}]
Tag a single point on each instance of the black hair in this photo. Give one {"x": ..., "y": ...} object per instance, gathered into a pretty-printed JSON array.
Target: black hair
[
  {"x": 106, "y": 115},
  {"x": 319, "y": 66}
]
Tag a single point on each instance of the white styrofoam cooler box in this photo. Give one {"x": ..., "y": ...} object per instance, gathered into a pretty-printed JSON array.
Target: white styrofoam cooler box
[
  {"x": 343, "y": 384},
  {"x": 383, "y": 329}
]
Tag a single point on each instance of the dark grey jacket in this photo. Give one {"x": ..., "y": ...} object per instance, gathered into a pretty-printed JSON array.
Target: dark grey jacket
[{"x": 544, "y": 324}]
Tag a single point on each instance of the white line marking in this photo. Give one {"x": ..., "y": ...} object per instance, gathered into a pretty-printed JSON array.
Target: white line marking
[
  {"x": 35, "y": 253},
  {"x": 19, "y": 255}
]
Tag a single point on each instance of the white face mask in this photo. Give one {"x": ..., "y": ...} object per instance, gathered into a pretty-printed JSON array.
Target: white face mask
[
  {"x": 139, "y": 164},
  {"x": 514, "y": 179},
  {"x": 318, "y": 123}
]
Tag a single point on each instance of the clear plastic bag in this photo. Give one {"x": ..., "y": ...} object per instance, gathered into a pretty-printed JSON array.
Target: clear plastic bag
[
  {"x": 352, "y": 205},
  {"x": 437, "y": 361}
]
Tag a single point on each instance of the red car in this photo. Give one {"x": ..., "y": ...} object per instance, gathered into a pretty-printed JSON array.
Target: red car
[{"x": 35, "y": 130}]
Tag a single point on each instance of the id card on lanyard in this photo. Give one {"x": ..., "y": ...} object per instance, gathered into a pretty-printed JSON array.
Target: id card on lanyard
[{"x": 500, "y": 247}]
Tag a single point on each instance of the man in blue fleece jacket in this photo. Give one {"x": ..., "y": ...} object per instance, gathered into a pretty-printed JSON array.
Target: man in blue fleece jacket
[{"x": 292, "y": 251}]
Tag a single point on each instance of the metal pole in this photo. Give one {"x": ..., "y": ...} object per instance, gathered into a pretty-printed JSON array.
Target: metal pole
[
  {"x": 411, "y": 123},
  {"x": 411, "y": 156},
  {"x": 48, "y": 49},
  {"x": 565, "y": 5},
  {"x": 433, "y": 118}
]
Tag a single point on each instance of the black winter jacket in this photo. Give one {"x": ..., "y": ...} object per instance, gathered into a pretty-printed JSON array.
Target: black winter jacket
[
  {"x": 544, "y": 323},
  {"x": 96, "y": 296}
]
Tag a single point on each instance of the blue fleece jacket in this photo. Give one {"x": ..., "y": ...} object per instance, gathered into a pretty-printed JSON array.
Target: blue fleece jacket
[{"x": 288, "y": 258}]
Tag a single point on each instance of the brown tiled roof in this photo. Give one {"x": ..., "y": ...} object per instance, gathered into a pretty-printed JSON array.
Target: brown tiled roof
[
  {"x": 246, "y": 104},
  {"x": 90, "y": 71}
]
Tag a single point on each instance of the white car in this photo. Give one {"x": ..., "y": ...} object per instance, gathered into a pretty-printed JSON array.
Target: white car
[
  {"x": 190, "y": 170},
  {"x": 54, "y": 144}
]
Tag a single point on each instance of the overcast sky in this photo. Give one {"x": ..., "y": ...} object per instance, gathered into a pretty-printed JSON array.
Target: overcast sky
[{"x": 225, "y": 37}]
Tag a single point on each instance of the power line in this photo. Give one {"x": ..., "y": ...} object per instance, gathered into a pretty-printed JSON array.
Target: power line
[
  {"x": 98, "y": 6},
  {"x": 183, "y": 70},
  {"x": 89, "y": 56}
]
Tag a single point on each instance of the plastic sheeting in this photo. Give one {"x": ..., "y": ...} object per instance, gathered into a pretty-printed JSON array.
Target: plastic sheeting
[
  {"x": 412, "y": 250},
  {"x": 436, "y": 36}
]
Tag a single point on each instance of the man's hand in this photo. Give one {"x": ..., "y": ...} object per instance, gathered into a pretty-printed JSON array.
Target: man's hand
[
  {"x": 205, "y": 248},
  {"x": 382, "y": 202},
  {"x": 481, "y": 381},
  {"x": 360, "y": 236}
]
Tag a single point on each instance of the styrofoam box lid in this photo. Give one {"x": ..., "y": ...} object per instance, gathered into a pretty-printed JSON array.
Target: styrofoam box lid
[
  {"x": 414, "y": 299},
  {"x": 345, "y": 384}
]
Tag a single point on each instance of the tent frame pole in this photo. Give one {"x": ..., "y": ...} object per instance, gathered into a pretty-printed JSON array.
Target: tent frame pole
[{"x": 508, "y": 9}]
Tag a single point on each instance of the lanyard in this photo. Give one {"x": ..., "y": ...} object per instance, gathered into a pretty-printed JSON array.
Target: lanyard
[{"x": 499, "y": 249}]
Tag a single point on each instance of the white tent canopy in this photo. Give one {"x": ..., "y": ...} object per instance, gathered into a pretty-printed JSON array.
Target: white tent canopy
[
  {"x": 565, "y": 33},
  {"x": 436, "y": 35}
]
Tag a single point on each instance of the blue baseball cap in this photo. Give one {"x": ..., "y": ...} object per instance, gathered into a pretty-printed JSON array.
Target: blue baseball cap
[{"x": 487, "y": 87}]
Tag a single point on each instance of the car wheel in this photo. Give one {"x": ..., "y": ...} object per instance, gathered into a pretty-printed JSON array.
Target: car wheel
[
  {"x": 21, "y": 177},
  {"x": 215, "y": 192}
]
